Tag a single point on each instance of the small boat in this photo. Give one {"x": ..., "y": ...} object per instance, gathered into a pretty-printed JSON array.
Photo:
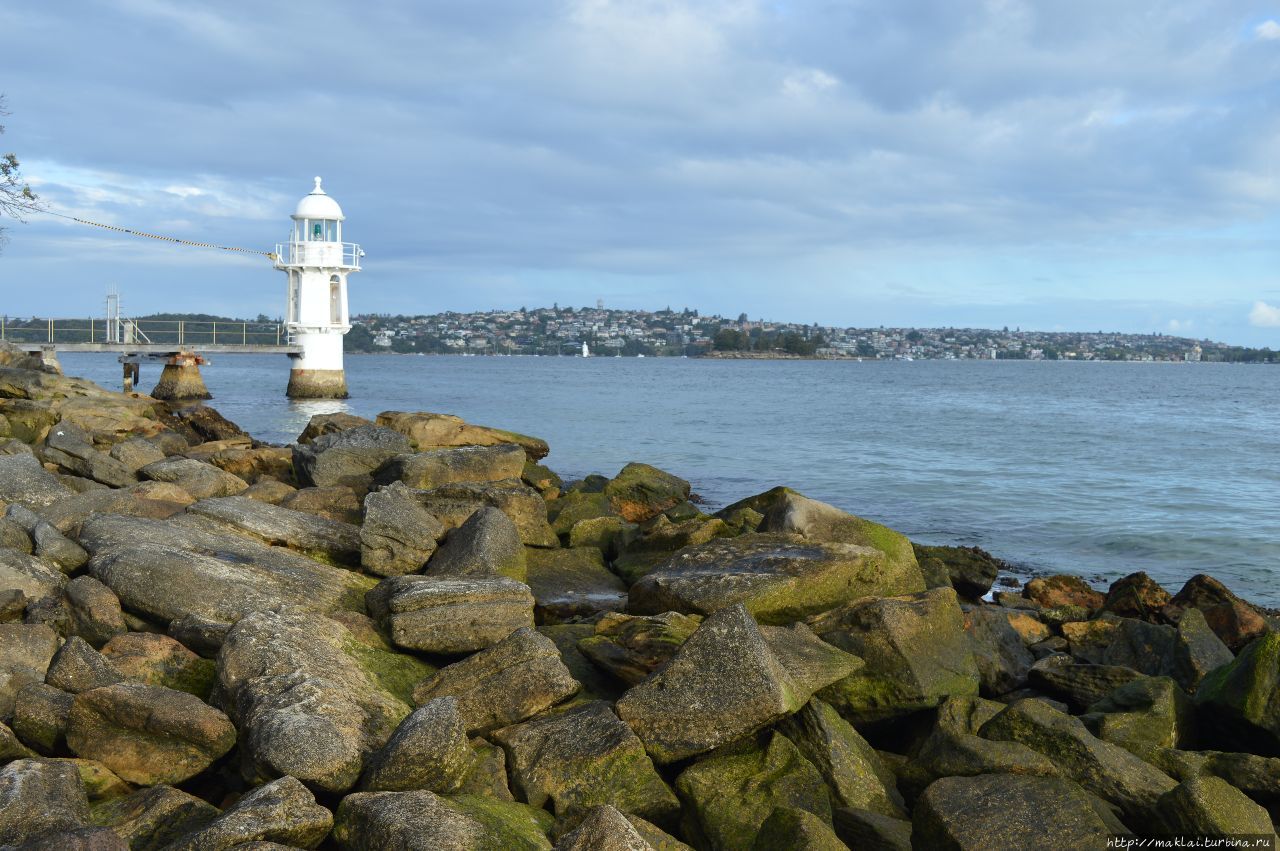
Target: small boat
[{"x": 586, "y": 353}]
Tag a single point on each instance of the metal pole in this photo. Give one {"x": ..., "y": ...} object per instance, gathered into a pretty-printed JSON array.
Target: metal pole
[
  {"x": 181, "y": 327},
  {"x": 244, "y": 333},
  {"x": 50, "y": 330},
  {"x": 215, "y": 333},
  {"x": 90, "y": 329}
]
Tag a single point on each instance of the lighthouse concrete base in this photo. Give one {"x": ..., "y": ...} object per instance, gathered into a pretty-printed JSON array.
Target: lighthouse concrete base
[
  {"x": 181, "y": 380},
  {"x": 317, "y": 384}
]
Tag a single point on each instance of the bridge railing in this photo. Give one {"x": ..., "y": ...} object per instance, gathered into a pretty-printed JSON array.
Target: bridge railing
[{"x": 176, "y": 332}]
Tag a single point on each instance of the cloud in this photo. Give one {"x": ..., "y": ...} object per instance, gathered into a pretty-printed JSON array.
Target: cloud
[
  {"x": 1268, "y": 30},
  {"x": 1264, "y": 315},
  {"x": 1179, "y": 325},
  {"x": 807, "y": 82}
]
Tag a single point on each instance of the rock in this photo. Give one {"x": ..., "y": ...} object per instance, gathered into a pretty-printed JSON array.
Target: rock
[
  {"x": 486, "y": 544},
  {"x": 438, "y": 431},
  {"x": 454, "y": 504},
  {"x": 851, "y": 768},
  {"x": 1197, "y": 650},
  {"x": 169, "y": 569},
  {"x": 1104, "y": 769},
  {"x": 604, "y": 533},
  {"x": 488, "y": 774},
  {"x": 514, "y": 679},
  {"x": 1208, "y": 806},
  {"x": 397, "y": 535},
  {"x": 283, "y": 811},
  {"x": 657, "y": 838},
  {"x": 969, "y": 570},
  {"x": 1143, "y": 716},
  {"x": 1080, "y": 686},
  {"x": 14, "y": 537},
  {"x": 321, "y": 424},
  {"x": 200, "y": 423},
  {"x": 728, "y": 796},
  {"x": 425, "y": 470},
  {"x": 872, "y": 831},
  {"x": 197, "y": 478},
  {"x": 10, "y": 746},
  {"x": 100, "y": 782},
  {"x": 583, "y": 757},
  {"x": 24, "y": 482},
  {"x": 136, "y": 453},
  {"x": 202, "y": 635},
  {"x": 309, "y": 698},
  {"x": 30, "y": 575},
  {"x": 596, "y": 683},
  {"x": 791, "y": 829},
  {"x": 603, "y": 829},
  {"x": 252, "y": 465},
  {"x": 428, "y": 750},
  {"x": 1238, "y": 702},
  {"x": 1109, "y": 640},
  {"x": 28, "y": 649},
  {"x": 542, "y": 479},
  {"x": 1232, "y": 619},
  {"x": 572, "y": 583},
  {"x": 69, "y": 448},
  {"x": 916, "y": 651},
  {"x": 268, "y": 490},
  {"x": 724, "y": 683},
  {"x": 811, "y": 663},
  {"x": 153, "y": 817},
  {"x": 953, "y": 748},
  {"x": 632, "y": 647},
  {"x": 78, "y": 839},
  {"x": 40, "y": 714},
  {"x": 640, "y": 492},
  {"x": 778, "y": 578},
  {"x": 154, "y": 500},
  {"x": 576, "y": 507},
  {"x": 317, "y": 537},
  {"x": 347, "y": 457},
  {"x": 95, "y": 611},
  {"x": 158, "y": 660},
  {"x": 1010, "y": 811},
  {"x": 450, "y": 614},
  {"x": 40, "y": 797},
  {"x": 49, "y": 544},
  {"x": 1062, "y": 590},
  {"x": 148, "y": 734},
  {"x": 372, "y": 821},
  {"x": 338, "y": 503},
  {"x": 1002, "y": 658},
  {"x": 77, "y": 667},
  {"x": 1136, "y": 596}
]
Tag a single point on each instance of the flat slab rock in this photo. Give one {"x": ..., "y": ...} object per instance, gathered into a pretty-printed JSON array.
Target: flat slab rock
[
  {"x": 779, "y": 578},
  {"x": 450, "y": 614},
  {"x": 318, "y": 537},
  {"x": 371, "y": 821}
]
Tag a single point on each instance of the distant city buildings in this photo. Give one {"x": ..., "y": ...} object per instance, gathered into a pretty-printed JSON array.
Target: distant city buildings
[{"x": 563, "y": 330}]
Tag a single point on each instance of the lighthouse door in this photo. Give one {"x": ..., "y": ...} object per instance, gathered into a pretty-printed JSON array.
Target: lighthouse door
[{"x": 335, "y": 301}]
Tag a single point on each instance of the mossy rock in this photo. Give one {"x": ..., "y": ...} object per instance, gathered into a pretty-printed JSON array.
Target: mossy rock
[
  {"x": 1240, "y": 702},
  {"x": 396, "y": 672},
  {"x": 541, "y": 478},
  {"x": 730, "y": 793},
  {"x": 640, "y": 492},
  {"x": 572, "y": 508},
  {"x": 572, "y": 583},
  {"x": 596, "y": 684}
]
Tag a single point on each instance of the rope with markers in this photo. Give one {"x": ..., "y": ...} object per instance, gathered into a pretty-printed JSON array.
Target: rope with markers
[{"x": 268, "y": 254}]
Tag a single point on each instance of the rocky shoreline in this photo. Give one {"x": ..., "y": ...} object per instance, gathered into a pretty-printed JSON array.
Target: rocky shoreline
[{"x": 410, "y": 633}]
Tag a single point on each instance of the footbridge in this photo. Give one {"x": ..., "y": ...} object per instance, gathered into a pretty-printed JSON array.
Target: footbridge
[{"x": 181, "y": 345}]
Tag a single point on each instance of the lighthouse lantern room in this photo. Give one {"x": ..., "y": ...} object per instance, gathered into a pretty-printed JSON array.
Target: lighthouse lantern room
[{"x": 317, "y": 262}]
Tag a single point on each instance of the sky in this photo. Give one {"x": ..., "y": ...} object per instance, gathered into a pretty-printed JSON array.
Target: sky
[{"x": 1043, "y": 164}]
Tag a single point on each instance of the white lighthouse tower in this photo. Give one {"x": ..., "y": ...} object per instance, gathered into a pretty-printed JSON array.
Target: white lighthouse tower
[{"x": 317, "y": 262}]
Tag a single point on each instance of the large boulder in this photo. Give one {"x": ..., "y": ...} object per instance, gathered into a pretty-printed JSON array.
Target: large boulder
[
  {"x": 307, "y": 698},
  {"x": 283, "y": 812},
  {"x": 70, "y": 449},
  {"x": 372, "y": 821},
  {"x": 153, "y": 817},
  {"x": 429, "y": 750},
  {"x": 970, "y": 570},
  {"x": 338, "y": 503},
  {"x": 347, "y": 457},
  {"x": 453, "y": 504},
  {"x": 32, "y": 576},
  {"x": 724, "y": 683},
  {"x": 438, "y": 431},
  {"x": 1002, "y": 657},
  {"x": 397, "y": 535},
  {"x": 153, "y": 500},
  {"x": 40, "y": 797},
  {"x": 632, "y": 647},
  {"x": 40, "y": 714},
  {"x": 1240, "y": 702},
  {"x": 728, "y": 795},
  {"x": 159, "y": 660},
  {"x": 27, "y": 652},
  {"x": 1197, "y": 650},
  {"x": 794, "y": 829},
  {"x": 1209, "y": 806},
  {"x": 573, "y": 583},
  {"x": 486, "y": 544},
  {"x": 48, "y": 542},
  {"x": 450, "y": 614},
  {"x": 1136, "y": 596},
  {"x": 514, "y": 679},
  {"x": 1078, "y": 686},
  {"x": 606, "y": 829},
  {"x": 1235, "y": 621},
  {"x": 953, "y": 747},
  {"x": 582, "y": 757},
  {"x": 1109, "y": 640},
  {"x": 778, "y": 578},
  {"x": 425, "y": 470},
  {"x": 1143, "y": 716},
  {"x": 1104, "y": 769},
  {"x": 23, "y": 481},
  {"x": 321, "y": 539},
  {"x": 77, "y": 667},
  {"x": 640, "y": 492},
  {"x": 1010, "y": 811},
  {"x": 148, "y": 734},
  {"x": 916, "y": 650},
  {"x": 189, "y": 566},
  {"x": 1063, "y": 590},
  {"x": 321, "y": 424},
  {"x": 197, "y": 478}
]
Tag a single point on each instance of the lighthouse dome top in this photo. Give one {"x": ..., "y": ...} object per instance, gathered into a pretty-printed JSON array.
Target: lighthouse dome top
[{"x": 318, "y": 205}]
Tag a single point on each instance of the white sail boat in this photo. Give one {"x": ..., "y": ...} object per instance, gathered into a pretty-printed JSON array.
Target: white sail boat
[{"x": 586, "y": 353}]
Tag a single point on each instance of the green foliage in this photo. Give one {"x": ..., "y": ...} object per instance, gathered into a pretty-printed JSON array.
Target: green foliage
[{"x": 16, "y": 196}]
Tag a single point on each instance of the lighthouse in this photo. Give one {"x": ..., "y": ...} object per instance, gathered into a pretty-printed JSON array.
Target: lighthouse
[{"x": 317, "y": 263}]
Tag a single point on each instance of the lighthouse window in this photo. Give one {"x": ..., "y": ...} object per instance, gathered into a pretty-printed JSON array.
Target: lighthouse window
[{"x": 317, "y": 230}]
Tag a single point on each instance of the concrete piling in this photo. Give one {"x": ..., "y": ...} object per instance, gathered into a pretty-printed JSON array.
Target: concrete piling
[{"x": 181, "y": 379}]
